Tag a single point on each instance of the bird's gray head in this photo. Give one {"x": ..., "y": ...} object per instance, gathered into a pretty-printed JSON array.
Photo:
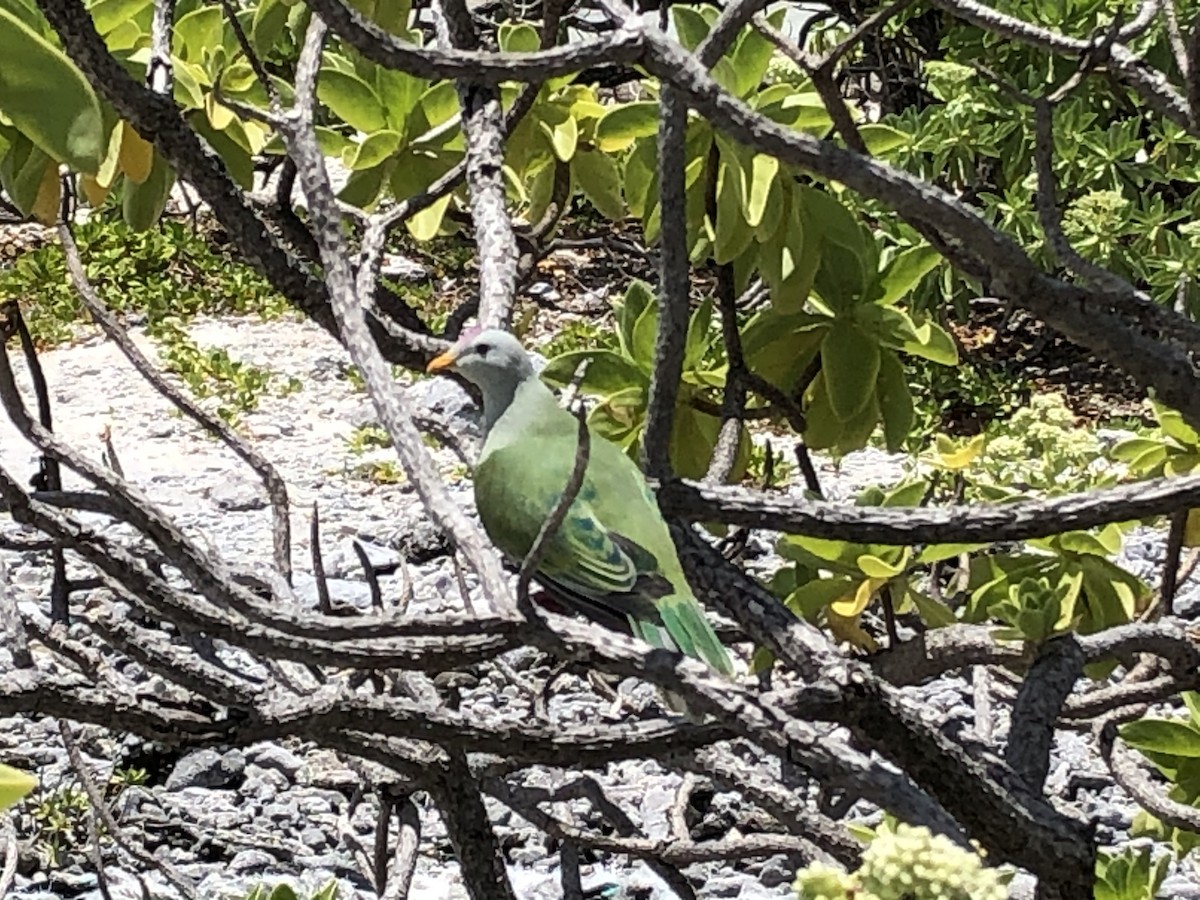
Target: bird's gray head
[{"x": 492, "y": 360}]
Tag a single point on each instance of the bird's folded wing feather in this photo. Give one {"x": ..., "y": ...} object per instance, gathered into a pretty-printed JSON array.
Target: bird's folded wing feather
[{"x": 514, "y": 501}]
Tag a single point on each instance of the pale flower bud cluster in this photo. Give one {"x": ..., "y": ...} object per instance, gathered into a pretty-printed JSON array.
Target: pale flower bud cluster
[{"x": 909, "y": 863}]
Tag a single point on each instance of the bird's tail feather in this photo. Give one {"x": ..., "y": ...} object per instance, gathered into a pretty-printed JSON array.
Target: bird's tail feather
[{"x": 691, "y": 631}]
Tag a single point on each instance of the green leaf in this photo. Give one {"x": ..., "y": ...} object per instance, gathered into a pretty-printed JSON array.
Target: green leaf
[
  {"x": 107, "y": 15},
  {"x": 14, "y": 785},
  {"x": 751, "y": 56},
  {"x": 698, "y": 336},
  {"x": 850, "y": 361},
  {"x": 372, "y": 151},
  {"x": 21, "y": 172},
  {"x": 270, "y": 18},
  {"x": 414, "y": 171},
  {"x": 563, "y": 137},
  {"x": 519, "y": 38},
  {"x": 47, "y": 99},
  {"x": 690, "y": 25},
  {"x": 645, "y": 334},
  {"x": 198, "y": 31},
  {"x": 810, "y": 599},
  {"x": 637, "y": 297},
  {"x": 823, "y": 429},
  {"x": 599, "y": 178},
  {"x": 895, "y": 401},
  {"x": 399, "y": 93},
  {"x": 933, "y": 343},
  {"x": 351, "y": 99},
  {"x": 1162, "y": 736},
  {"x": 439, "y": 103},
  {"x": 363, "y": 187},
  {"x": 622, "y": 125},
  {"x": 905, "y": 272},
  {"x": 882, "y": 139},
  {"x": 938, "y": 552},
  {"x": 1173, "y": 425},
  {"x": 237, "y": 161},
  {"x": 763, "y": 172},
  {"x": 874, "y": 567},
  {"x": 933, "y": 613},
  {"x": 608, "y": 373},
  {"x": 142, "y": 204},
  {"x": 734, "y": 233}
]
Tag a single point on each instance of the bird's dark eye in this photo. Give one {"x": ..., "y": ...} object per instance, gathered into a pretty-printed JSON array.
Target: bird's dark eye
[{"x": 482, "y": 349}]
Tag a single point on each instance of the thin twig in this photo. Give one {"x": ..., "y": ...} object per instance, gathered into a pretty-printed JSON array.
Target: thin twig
[
  {"x": 100, "y": 807},
  {"x": 324, "y": 603}
]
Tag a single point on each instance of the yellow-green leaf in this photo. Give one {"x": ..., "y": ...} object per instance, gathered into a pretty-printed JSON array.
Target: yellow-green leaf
[
  {"x": 351, "y": 99},
  {"x": 881, "y": 139},
  {"x": 1191, "y": 531},
  {"x": 598, "y": 177},
  {"x": 874, "y": 567},
  {"x": 906, "y": 271},
  {"x": 622, "y": 125},
  {"x": 956, "y": 458},
  {"x": 14, "y": 784},
  {"x": 136, "y": 155},
  {"x": 49, "y": 196}
]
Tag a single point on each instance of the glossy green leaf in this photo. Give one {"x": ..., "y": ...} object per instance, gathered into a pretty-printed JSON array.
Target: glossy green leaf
[
  {"x": 933, "y": 613},
  {"x": 933, "y": 343},
  {"x": 733, "y": 233},
  {"x": 938, "y": 552},
  {"x": 1162, "y": 736},
  {"x": 363, "y": 187},
  {"x": 1173, "y": 425},
  {"x": 698, "y": 335},
  {"x": 874, "y": 567},
  {"x": 850, "y": 362},
  {"x": 47, "y": 99},
  {"x": 752, "y": 54},
  {"x": 823, "y": 427},
  {"x": 237, "y": 160}
]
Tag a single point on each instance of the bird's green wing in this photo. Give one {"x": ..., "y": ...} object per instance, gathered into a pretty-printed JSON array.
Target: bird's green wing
[{"x": 515, "y": 492}]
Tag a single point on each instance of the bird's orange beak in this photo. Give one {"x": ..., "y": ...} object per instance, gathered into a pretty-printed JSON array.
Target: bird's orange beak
[{"x": 442, "y": 363}]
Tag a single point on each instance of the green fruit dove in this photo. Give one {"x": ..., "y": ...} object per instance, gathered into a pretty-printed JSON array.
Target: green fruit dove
[{"x": 612, "y": 559}]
